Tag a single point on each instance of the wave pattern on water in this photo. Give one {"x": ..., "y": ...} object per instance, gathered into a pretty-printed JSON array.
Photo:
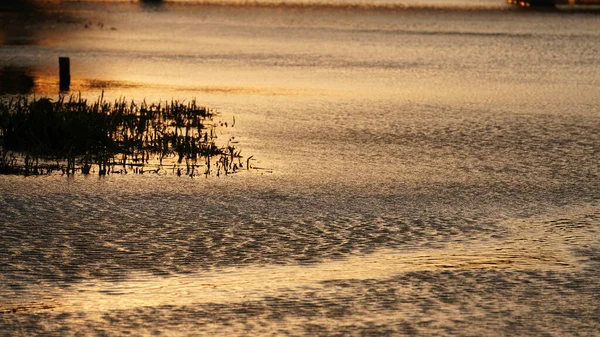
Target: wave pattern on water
[
  {"x": 115, "y": 235},
  {"x": 451, "y": 189},
  {"x": 423, "y": 292}
]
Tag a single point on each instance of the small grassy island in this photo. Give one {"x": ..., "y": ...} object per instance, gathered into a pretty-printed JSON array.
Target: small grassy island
[{"x": 70, "y": 135}]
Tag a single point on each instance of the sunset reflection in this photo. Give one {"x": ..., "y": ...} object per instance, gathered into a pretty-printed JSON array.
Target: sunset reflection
[{"x": 300, "y": 167}]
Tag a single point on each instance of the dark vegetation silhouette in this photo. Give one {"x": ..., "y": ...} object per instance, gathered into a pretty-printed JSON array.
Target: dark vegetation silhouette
[{"x": 40, "y": 136}]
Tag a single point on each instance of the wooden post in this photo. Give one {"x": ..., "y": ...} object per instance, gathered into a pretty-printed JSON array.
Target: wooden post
[{"x": 64, "y": 65}]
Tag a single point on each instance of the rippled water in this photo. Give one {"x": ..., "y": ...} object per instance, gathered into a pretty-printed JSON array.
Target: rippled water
[{"x": 418, "y": 171}]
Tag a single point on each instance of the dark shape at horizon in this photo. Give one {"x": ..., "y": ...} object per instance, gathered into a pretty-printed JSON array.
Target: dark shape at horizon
[
  {"x": 541, "y": 3},
  {"x": 152, "y": 3},
  {"x": 16, "y": 80},
  {"x": 25, "y": 22},
  {"x": 17, "y": 22},
  {"x": 17, "y": 5}
]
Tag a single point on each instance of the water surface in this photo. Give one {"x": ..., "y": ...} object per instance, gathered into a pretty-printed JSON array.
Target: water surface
[{"x": 424, "y": 169}]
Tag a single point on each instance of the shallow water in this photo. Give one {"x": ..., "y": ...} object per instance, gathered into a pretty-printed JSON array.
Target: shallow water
[{"x": 430, "y": 170}]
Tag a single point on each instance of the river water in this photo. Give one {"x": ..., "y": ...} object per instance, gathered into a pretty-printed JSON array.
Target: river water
[{"x": 418, "y": 168}]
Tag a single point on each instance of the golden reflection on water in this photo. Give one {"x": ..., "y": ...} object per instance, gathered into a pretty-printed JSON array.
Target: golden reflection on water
[
  {"x": 528, "y": 245},
  {"x": 456, "y": 133},
  {"x": 47, "y": 84},
  {"x": 232, "y": 285}
]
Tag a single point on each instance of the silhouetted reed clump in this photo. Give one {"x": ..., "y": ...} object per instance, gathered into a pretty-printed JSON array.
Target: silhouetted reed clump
[{"x": 39, "y": 136}]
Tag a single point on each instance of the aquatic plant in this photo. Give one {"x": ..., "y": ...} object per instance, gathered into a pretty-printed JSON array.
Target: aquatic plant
[{"x": 39, "y": 136}]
